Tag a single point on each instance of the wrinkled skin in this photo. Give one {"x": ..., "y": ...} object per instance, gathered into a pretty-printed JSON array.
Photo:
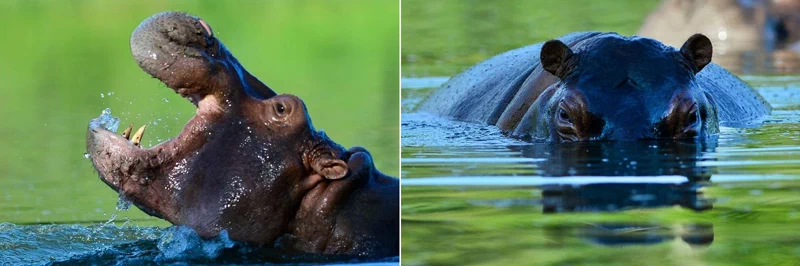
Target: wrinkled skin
[
  {"x": 600, "y": 86},
  {"x": 250, "y": 162}
]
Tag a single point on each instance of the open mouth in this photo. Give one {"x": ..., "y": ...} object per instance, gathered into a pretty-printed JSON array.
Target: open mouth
[{"x": 181, "y": 51}]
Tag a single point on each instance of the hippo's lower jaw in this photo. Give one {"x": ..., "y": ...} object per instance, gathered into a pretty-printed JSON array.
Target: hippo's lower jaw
[{"x": 130, "y": 169}]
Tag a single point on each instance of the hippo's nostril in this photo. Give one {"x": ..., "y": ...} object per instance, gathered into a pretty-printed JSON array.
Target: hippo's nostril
[{"x": 206, "y": 27}]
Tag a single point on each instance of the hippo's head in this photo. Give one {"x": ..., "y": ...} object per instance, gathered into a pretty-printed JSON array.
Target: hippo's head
[
  {"x": 250, "y": 162},
  {"x": 223, "y": 161},
  {"x": 625, "y": 88},
  {"x": 283, "y": 125}
]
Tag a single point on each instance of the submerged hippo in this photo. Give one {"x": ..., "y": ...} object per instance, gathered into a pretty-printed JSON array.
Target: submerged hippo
[
  {"x": 600, "y": 86},
  {"x": 250, "y": 162}
]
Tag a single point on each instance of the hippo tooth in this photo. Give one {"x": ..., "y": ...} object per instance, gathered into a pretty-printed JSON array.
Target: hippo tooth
[
  {"x": 127, "y": 133},
  {"x": 137, "y": 138}
]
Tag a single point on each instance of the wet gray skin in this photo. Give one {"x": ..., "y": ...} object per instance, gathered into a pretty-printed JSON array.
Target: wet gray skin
[
  {"x": 249, "y": 162},
  {"x": 601, "y": 86}
]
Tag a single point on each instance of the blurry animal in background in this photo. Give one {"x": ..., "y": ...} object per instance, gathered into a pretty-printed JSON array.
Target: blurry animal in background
[{"x": 760, "y": 30}]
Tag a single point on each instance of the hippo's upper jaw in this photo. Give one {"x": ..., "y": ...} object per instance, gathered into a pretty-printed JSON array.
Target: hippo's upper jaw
[
  {"x": 249, "y": 162},
  {"x": 181, "y": 51}
]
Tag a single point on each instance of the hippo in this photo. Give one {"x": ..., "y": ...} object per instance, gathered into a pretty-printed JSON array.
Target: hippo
[
  {"x": 590, "y": 86},
  {"x": 734, "y": 25},
  {"x": 250, "y": 162}
]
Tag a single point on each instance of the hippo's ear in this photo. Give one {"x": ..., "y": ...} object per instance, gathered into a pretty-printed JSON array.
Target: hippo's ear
[
  {"x": 554, "y": 56},
  {"x": 330, "y": 168},
  {"x": 697, "y": 49}
]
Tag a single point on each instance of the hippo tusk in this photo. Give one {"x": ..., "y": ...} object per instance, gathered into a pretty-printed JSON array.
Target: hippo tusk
[
  {"x": 127, "y": 133},
  {"x": 137, "y": 137}
]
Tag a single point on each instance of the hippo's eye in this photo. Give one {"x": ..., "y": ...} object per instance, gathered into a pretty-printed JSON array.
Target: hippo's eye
[
  {"x": 692, "y": 115},
  {"x": 691, "y": 119},
  {"x": 563, "y": 115},
  {"x": 279, "y": 108}
]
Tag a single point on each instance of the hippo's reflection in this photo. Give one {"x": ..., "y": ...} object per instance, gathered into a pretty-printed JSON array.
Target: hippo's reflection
[
  {"x": 615, "y": 197},
  {"x": 634, "y": 158},
  {"x": 615, "y": 234},
  {"x": 640, "y": 158}
]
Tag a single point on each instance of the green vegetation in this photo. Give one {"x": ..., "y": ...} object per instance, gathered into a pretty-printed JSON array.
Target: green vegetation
[{"x": 65, "y": 61}]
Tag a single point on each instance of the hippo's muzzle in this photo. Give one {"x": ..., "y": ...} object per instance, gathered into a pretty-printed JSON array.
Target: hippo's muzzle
[{"x": 181, "y": 51}]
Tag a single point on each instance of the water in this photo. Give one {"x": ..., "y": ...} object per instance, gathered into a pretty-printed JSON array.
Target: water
[
  {"x": 72, "y": 244},
  {"x": 63, "y": 70},
  {"x": 470, "y": 194}
]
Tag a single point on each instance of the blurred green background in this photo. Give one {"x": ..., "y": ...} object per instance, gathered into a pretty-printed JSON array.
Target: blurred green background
[
  {"x": 63, "y": 62},
  {"x": 442, "y": 38}
]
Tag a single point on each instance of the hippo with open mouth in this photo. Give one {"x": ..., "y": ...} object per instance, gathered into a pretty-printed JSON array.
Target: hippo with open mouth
[
  {"x": 591, "y": 86},
  {"x": 249, "y": 162}
]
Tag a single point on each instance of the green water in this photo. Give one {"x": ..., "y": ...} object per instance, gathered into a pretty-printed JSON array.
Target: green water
[
  {"x": 472, "y": 196},
  {"x": 63, "y": 62}
]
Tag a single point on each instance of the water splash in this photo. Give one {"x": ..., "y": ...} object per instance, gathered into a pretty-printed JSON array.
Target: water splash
[
  {"x": 73, "y": 244},
  {"x": 123, "y": 204},
  {"x": 61, "y": 244},
  {"x": 182, "y": 243},
  {"x": 106, "y": 121}
]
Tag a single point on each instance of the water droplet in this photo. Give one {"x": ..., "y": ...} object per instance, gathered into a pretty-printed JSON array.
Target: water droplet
[
  {"x": 102, "y": 96},
  {"x": 165, "y": 100},
  {"x": 86, "y": 155}
]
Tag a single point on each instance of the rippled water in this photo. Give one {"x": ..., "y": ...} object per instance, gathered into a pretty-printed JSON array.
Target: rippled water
[
  {"x": 72, "y": 244},
  {"x": 471, "y": 194}
]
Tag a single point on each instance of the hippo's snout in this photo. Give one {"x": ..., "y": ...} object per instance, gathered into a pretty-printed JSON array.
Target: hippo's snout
[
  {"x": 117, "y": 157},
  {"x": 168, "y": 34},
  {"x": 181, "y": 51},
  {"x": 99, "y": 146},
  {"x": 176, "y": 48}
]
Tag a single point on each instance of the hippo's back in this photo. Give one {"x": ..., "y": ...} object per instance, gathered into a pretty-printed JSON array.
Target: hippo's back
[
  {"x": 737, "y": 103},
  {"x": 480, "y": 93}
]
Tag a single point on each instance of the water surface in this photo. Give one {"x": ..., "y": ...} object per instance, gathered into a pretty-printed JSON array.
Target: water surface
[{"x": 471, "y": 193}]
